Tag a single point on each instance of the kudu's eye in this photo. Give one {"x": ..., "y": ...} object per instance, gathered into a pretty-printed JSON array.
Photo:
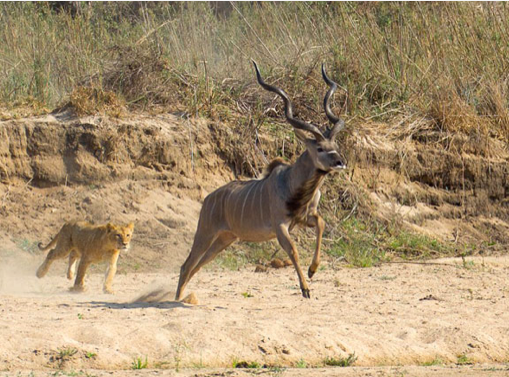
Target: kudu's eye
[{"x": 319, "y": 149}]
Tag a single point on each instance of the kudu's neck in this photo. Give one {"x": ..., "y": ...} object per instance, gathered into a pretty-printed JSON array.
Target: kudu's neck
[
  {"x": 303, "y": 172},
  {"x": 304, "y": 179}
]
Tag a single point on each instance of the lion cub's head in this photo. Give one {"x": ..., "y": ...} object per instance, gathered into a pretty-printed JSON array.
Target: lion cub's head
[{"x": 120, "y": 235}]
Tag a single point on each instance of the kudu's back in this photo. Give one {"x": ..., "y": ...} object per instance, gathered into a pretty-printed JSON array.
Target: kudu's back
[{"x": 245, "y": 208}]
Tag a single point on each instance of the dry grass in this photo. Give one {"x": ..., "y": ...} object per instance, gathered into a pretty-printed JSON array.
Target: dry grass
[
  {"x": 438, "y": 61},
  {"x": 451, "y": 113},
  {"x": 87, "y": 100},
  {"x": 495, "y": 98}
]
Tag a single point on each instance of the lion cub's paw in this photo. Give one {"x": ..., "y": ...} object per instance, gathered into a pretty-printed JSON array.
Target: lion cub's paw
[
  {"x": 109, "y": 291},
  {"x": 77, "y": 289}
]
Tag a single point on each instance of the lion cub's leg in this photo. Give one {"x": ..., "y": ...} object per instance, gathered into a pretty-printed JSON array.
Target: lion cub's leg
[
  {"x": 73, "y": 260},
  {"x": 62, "y": 249},
  {"x": 110, "y": 272},
  {"x": 79, "y": 283}
]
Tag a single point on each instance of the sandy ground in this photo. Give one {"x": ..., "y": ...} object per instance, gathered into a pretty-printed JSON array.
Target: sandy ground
[
  {"x": 396, "y": 319},
  {"x": 398, "y": 371}
]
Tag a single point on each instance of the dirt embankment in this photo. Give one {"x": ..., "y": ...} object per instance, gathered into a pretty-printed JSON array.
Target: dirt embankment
[
  {"x": 155, "y": 170},
  {"x": 453, "y": 187},
  {"x": 58, "y": 150}
]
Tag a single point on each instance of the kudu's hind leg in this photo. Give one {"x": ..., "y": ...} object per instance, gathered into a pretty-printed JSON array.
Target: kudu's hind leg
[
  {"x": 201, "y": 244},
  {"x": 317, "y": 222},
  {"x": 222, "y": 242},
  {"x": 283, "y": 237}
]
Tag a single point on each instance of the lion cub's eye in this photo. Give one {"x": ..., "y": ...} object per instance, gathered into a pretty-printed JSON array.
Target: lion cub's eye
[{"x": 119, "y": 236}]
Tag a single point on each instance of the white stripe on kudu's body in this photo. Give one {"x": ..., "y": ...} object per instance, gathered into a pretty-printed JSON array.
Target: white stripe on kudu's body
[{"x": 260, "y": 210}]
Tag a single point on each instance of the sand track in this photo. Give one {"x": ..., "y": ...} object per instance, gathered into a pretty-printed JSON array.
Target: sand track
[{"x": 398, "y": 315}]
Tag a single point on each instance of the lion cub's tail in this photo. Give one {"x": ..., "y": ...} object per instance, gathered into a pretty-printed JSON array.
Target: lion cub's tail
[
  {"x": 52, "y": 243},
  {"x": 48, "y": 246}
]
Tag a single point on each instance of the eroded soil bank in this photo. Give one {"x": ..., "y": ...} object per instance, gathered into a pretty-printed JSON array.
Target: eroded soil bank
[{"x": 156, "y": 170}]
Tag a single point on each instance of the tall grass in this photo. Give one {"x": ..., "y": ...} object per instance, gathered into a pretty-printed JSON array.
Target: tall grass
[{"x": 444, "y": 61}]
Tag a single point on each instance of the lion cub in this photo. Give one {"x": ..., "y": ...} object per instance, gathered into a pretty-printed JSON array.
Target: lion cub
[{"x": 89, "y": 243}]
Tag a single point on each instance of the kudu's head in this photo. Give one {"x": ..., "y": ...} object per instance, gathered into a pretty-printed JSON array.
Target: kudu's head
[{"x": 322, "y": 146}]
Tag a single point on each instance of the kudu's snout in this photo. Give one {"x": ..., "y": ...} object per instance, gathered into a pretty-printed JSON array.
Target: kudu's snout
[
  {"x": 339, "y": 164},
  {"x": 336, "y": 160}
]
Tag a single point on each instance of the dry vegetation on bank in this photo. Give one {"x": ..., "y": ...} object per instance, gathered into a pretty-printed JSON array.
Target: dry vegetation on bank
[
  {"x": 433, "y": 75},
  {"x": 445, "y": 61}
]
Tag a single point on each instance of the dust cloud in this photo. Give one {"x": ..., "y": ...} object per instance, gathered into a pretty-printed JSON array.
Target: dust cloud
[{"x": 17, "y": 275}]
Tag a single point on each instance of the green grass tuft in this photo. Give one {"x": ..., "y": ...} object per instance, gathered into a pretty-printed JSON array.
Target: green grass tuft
[
  {"x": 246, "y": 364},
  {"x": 341, "y": 361},
  {"x": 365, "y": 243},
  {"x": 139, "y": 363}
]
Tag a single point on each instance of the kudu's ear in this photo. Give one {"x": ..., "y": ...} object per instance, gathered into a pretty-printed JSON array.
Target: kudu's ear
[{"x": 301, "y": 135}]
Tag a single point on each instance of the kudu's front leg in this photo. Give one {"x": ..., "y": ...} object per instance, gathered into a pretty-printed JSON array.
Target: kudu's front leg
[
  {"x": 283, "y": 237},
  {"x": 317, "y": 222}
]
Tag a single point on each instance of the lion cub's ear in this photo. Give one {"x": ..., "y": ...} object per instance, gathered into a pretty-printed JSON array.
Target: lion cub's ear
[
  {"x": 110, "y": 227},
  {"x": 130, "y": 226}
]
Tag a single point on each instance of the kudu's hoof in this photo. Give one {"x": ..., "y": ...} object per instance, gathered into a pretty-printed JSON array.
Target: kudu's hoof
[
  {"x": 305, "y": 293},
  {"x": 190, "y": 299},
  {"x": 311, "y": 273}
]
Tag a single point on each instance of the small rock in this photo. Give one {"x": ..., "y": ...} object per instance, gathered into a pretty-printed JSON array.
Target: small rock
[
  {"x": 260, "y": 268},
  {"x": 430, "y": 297},
  {"x": 278, "y": 263}
]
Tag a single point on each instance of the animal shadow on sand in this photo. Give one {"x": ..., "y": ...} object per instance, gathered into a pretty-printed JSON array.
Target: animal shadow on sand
[{"x": 158, "y": 298}]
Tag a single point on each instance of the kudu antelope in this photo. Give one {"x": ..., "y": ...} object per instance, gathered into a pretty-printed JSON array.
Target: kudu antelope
[{"x": 260, "y": 210}]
